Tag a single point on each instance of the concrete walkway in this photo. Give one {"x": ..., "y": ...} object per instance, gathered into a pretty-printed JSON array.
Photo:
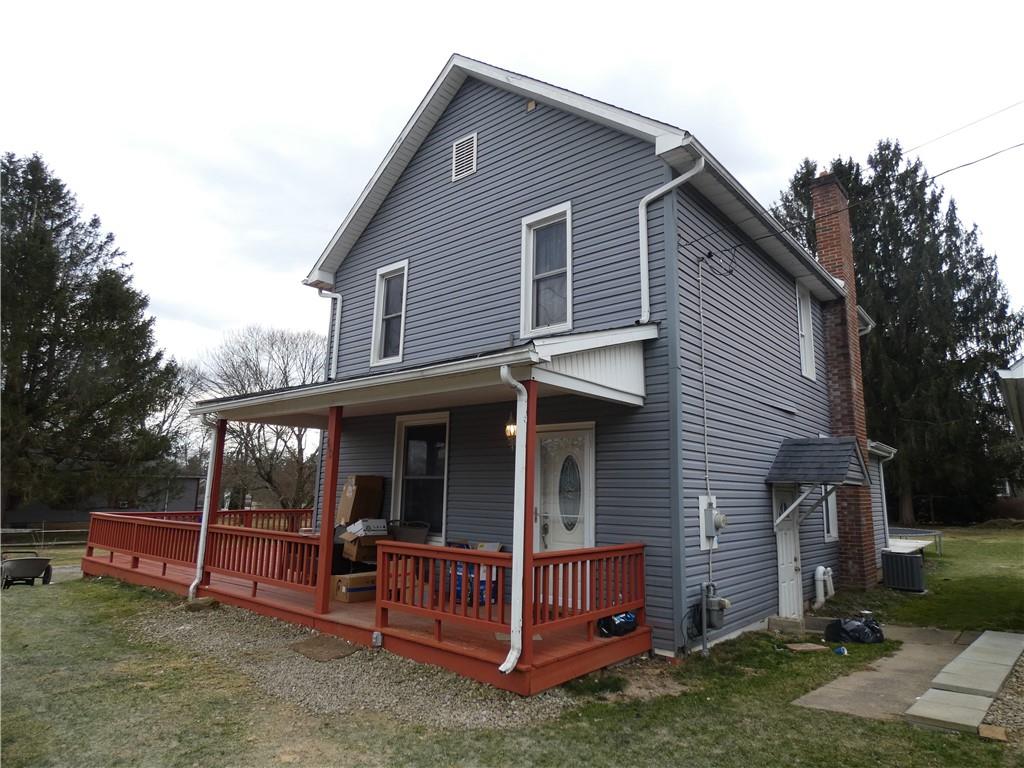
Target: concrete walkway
[
  {"x": 886, "y": 689},
  {"x": 962, "y": 692}
]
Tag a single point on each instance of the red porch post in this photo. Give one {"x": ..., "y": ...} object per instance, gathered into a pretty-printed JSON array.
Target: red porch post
[
  {"x": 330, "y": 502},
  {"x": 213, "y": 492},
  {"x": 526, "y": 657}
]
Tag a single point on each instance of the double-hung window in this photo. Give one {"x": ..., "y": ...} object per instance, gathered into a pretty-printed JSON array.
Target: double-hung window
[
  {"x": 806, "y": 325},
  {"x": 546, "y": 305},
  {"x": 420, "y": 471},
  {"x": 389, "y": 314}
]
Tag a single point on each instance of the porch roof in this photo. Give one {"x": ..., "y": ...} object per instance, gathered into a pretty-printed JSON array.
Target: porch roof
[
  {"x": 819, "y": 461},
  {"x": 606, "y": 364}
]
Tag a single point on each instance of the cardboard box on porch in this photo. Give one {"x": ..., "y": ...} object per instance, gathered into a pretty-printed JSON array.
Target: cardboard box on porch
[
  {"x": 354, "y": 587},
  {"x": 361, "y": 496},
  {"x": 361, "y": 548}
]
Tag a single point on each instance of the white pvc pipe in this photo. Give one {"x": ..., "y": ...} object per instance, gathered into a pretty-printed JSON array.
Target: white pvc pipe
[
  {"x": 823, "y": 586},
  {"x": 518, "y": 525},
  {"x": 332, "y": 369},
  {"x": 216, "y": 448},
  {"x": 645, "y": 276}
]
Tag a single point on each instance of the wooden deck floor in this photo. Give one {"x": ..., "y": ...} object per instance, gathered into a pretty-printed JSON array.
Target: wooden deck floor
[{"x": 559, "y": 655}]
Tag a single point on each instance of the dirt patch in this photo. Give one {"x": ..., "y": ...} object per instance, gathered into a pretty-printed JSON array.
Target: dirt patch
[
  {"x": 324, "y": 648},
  {"x": 645, "y": 679}
]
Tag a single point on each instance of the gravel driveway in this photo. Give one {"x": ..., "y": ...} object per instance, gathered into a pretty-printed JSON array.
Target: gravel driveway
[{"x": 367, "y": 680}]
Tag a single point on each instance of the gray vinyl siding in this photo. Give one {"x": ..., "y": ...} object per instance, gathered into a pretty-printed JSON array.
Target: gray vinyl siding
[
  {"x": 756, "y": 397},
  {"x": 463, "y": 243},
  {"x": 877, "y": 507},
  {"x": 463, "y": 239}
]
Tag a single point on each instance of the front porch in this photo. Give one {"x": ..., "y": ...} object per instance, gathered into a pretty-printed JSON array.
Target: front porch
[{"x": 257, "y": 561}]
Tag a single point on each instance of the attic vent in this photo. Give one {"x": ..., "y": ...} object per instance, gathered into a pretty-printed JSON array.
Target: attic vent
[{"x": 464, "y": 157}]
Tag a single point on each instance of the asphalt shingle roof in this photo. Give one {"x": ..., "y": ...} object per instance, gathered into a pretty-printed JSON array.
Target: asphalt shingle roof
[{"x": 818, "y": 460}]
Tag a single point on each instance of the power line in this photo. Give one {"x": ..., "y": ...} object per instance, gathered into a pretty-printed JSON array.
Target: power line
[
  {"x": 966, "y": 125},
  {"x": 779, "y": 231}
]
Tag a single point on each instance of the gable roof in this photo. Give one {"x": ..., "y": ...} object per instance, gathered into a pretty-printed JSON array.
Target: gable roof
[
  {"x": 819, "y": 461},
  {"x": 679, "y": 148}
]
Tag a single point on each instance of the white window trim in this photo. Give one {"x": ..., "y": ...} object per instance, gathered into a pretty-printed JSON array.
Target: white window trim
[
  {"x": 829, "y": 516},
  {"x": 398, "y": 467},
  {"x": 534, "y": 221},
  {"x": 805, "y": 331},
  {"x": 829, "y": 511},
  {"x": 377, "y": 339},
  {"x": 473, "y": 169}
]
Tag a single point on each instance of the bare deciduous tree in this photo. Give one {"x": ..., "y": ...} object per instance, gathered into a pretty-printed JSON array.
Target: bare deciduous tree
[{"x": 257, "y": 359}]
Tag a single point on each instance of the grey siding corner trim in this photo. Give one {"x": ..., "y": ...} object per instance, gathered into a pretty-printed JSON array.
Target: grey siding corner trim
[{"x": 675, "y": 428}]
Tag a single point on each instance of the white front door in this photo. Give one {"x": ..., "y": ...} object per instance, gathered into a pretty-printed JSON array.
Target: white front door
[
  {"x": 787, "y": 539},
  {"x": 565, "y": 489}
]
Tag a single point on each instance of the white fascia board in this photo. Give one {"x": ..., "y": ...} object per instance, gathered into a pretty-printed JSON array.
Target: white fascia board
[
  {"x": 430, "y": 109},
  {"x": 680, "y": 152},
  {"x": 578, "y": 342},
  {"x": 876, "y": 448},
  {"x": 402, "y": 150},
  {"x": 320, "y": 279},
  {"x": 587, "y": 388},
  {"x": 867, "y": 323},
  {"x": 524, "y": 356},
  {"x": 575, "y": 103}
]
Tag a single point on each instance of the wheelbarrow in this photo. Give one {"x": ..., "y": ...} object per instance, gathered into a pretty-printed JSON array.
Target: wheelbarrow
[{"x": 25, "y": 570}]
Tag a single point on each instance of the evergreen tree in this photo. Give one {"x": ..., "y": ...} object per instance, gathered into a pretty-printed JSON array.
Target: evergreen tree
[
  {"x": 80, "y": 374},
  {"x": 944, "y": 326}
]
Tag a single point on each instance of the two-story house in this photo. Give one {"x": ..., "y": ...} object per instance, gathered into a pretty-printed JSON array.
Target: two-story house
[{"x": 565, "y": 327}]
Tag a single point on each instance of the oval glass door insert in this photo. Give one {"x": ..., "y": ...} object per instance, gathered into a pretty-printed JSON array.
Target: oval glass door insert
[{"x": 569, "y": 493}]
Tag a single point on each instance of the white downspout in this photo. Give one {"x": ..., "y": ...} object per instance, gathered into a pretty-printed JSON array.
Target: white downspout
[
  {"x": 645, "y": 276},
  {"x": 215, "y": 449},
  {"x": 881, "y": 490},
  {"x": 518, "y": 530},
  {"x": 332, "y": 369}
]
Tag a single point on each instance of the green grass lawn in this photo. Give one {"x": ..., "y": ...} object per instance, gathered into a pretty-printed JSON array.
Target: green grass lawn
[
  {"x": 978, "y": 583},
  {"x": 78, "y": 691}
]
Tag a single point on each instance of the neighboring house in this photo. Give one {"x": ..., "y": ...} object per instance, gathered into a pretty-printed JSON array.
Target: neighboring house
[
  {"x": 1011, "y": 379},
  {"x": 530, "y": 261}
]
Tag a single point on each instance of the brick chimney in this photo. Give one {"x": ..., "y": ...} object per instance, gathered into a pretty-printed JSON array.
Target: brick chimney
[{"x": 857, "y": 567}]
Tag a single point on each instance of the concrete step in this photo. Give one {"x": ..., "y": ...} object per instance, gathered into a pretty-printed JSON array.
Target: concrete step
[
  {"x": 982, "y": 668},
  {"x": 948, "y": 710}
]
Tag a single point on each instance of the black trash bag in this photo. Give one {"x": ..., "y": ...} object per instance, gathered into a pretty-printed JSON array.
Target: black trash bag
[
  {"x": 617, "y": 625},
  {"x": 854, "y": 631}
]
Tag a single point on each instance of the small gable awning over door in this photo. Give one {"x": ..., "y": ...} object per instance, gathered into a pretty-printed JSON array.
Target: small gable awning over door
[{"x": 818, "y": 461}]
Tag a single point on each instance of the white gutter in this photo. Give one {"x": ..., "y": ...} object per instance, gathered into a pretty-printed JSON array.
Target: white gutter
[
  {"x": 518, "y": 527},
  {"x": 216, "y": 448},
  {"x": 332, "y": 368},
  {"x": 645, "y": 276}
]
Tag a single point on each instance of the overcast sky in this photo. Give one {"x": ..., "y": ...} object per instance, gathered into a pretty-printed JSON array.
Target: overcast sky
[{"x": 223, "y": 143}]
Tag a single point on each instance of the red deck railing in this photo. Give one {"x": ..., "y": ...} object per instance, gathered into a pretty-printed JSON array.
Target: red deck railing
[
  {"x": 579, "y": 586},
  {"x": 575, "y": 587},
  {"x": 166, "y": 541},
  {"x": 465, "y": 586},
  {"x": 270, "y": 519},
  {"x": 264, "y": 557},
  {"x": 258, "y": 554}
]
